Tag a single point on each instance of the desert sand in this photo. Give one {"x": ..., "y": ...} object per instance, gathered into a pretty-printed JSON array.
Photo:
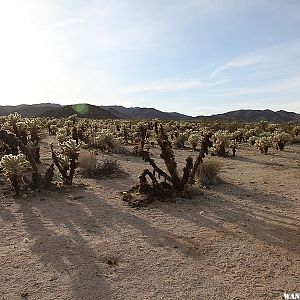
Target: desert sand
[{"x": 236, "y": 240}]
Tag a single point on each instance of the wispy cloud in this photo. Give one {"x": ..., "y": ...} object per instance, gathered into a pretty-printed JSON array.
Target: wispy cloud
[
  {"x": 287, "y": 86},
  {"x": 67, "y": 22},
  {"x": 238, "y": 63},
  {"x": 169, "y": 86}
]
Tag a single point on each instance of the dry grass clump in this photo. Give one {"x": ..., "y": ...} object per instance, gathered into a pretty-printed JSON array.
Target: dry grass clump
[
  {"x": 87, "y": 160},
  {"x": 106, "y": 167},
  {"x": 93, "y": 168},
  {"x": 208, "y": 173}
]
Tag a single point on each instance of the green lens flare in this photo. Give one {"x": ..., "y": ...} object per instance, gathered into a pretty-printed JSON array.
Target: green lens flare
[{"x": 81, "y": 109}]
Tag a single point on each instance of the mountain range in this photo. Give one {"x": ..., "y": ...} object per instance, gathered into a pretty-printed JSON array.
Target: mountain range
[{"x": 121, "y": 112}]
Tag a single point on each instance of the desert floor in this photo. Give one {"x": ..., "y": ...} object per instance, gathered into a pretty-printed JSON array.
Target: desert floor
[{"x": 238, "y": 240}]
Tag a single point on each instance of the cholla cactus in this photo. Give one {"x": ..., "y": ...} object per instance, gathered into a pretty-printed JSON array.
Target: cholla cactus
[
  {"x": 233, "y": 146},
  {"x": 221, "y": 141},
  {"x": 35, "y": 128},
  {"x": 296, "y": 130},
  {"x": 71, "y": 148},
  {"x": 252, "y": 140},
  {"x": 194, "y": 140},
  {"x": 238, "y": 135},
  {"x": 250, "y": 133},
  {"x": 62, "y": 135},
  {"x": 263, "y": 144},
  {"x": 14, "y": 118},
  {"x": 14, "y": 166},
  {"x": 280, "y": 139},
  {"x": 66, "y": 162}
]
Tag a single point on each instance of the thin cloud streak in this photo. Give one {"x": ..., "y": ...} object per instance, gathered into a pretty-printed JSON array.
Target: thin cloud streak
[
  {"x": 288, "y": 86},
  {"x": 238, "y": 63},
  {"x": 169, "y": 86},
  {"x": 68, "y": 22}
]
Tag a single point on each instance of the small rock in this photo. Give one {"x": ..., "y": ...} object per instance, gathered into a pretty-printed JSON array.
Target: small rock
[{"x": 24, "y": 294}]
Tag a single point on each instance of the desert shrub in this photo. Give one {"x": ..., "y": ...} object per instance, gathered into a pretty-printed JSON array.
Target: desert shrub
[
  {"x": 93, "y": 168},
  {"x": 87, "y": 160},
  {"x": 108, "y": 166},
  {"x": 208, "y": 173},
  {"x": 295, "y": 140}
]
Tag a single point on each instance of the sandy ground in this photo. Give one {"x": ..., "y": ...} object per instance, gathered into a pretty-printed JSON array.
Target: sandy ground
[{"x": 238, "y": 240}]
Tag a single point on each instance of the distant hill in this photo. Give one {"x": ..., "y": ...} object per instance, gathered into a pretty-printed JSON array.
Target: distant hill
[
  {"x": 140, "y": 113},
  {"x": 144, "y": 113},
  {"x": 27, "y": 110},
  {"x": 82, "y": 110},
  {"x": 248, "y": 115}
]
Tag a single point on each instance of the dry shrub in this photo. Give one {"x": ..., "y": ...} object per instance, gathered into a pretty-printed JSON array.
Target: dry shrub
[
  {"x": 107, "y": 167},
  {"x": 87, "y": 160},
  {"x": 208, "y": 173},
  {"x": 120, "y": 149},
  {"x": 295, "y": 140},
  {"x": 93, "y": 168}
]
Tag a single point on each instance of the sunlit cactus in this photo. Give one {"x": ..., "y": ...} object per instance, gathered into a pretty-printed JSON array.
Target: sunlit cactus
[
  {"x": 221, "y": 141},
  {"x": 35, "y": 129},
  {"x": 238, "y": 135},
  {"x": 14, "y": 118},
  {"x": 71, "y": 148},
  {"x": 194, "y": 140},
  {"x": 296, "y": 130},
  {"x": 66, "y": 162},
  {"x": 62, "y": 135},
  {"x": 252, "y": 140},
  {"x": 264, "y": 143},
  {"x": 14, "y": 166},
  {"x": 280, "y": 139}
]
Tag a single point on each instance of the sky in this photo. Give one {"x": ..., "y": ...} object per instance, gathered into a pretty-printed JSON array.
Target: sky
[{"x": 196, "y": 57}]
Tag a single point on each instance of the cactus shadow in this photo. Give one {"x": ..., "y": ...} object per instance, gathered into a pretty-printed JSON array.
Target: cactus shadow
[
  {"x": 264, "y": 217},
  {"x": 55, "y": 236}
]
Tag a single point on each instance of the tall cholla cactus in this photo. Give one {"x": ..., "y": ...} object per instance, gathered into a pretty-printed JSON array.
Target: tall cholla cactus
[
  {"x": 14, "y": 166},
  {"x": 66, "y": 162}
]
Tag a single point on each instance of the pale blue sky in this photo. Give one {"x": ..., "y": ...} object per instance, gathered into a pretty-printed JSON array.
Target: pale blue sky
[{"x": 191, "y": 56}]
